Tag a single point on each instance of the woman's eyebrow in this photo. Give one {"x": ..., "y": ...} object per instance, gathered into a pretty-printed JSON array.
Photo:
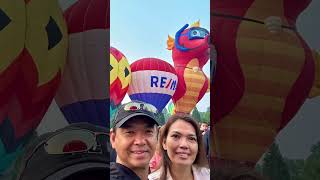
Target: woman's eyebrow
[{"x": 177, "y": 132}]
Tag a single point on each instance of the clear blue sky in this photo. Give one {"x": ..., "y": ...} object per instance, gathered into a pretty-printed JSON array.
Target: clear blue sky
[{"x": 140, "y": 28}]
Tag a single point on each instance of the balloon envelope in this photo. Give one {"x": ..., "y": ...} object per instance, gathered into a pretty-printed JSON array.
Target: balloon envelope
[
  {"x": 83, "y": 93},
  {"x": 33, "y": 50},
  {"x": 262, "y": 77},
  {"x": 153, "y": 81},
  {"x": 120, "y": 78},
  {"x": 189, "y": 54}
]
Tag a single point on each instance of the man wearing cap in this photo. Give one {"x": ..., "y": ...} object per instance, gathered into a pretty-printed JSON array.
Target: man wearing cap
[{"x": 134, "y": 138}]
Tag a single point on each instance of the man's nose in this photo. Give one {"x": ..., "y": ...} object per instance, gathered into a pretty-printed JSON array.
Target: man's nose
[{"x": 140, "y": 139}]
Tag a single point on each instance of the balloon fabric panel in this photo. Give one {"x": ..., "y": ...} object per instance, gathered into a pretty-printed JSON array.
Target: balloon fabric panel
[{"x": 84, "y": 90}]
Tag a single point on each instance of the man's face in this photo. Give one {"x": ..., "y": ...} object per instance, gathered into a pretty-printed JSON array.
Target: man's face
[{"x": 135, "y": 142}]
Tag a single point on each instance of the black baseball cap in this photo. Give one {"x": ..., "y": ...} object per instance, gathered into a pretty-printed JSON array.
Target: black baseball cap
[{"x": 132, "y": 109}]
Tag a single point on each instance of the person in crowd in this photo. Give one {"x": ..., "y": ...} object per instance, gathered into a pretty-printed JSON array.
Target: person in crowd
[
  {"x": 182, "y": 151},
  {"x": 155, "y": 161},
  {"x": 204, "y": 128},
  {"x": 206, "y": 142}
]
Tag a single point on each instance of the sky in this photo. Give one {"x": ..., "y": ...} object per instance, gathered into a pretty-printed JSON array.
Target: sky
[
  {"x": 294, "y": 140},
  {"x": 140, "y": 29}
]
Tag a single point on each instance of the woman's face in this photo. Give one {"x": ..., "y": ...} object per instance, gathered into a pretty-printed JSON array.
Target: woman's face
[{"x": 181, "y": 143}]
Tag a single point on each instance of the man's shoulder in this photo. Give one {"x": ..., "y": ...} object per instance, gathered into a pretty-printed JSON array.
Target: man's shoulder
[{"x": 121, "y": 172}]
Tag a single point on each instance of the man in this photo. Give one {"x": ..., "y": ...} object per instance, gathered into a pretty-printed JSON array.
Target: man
[
  {"x": 134, "y": 138},
  {"x": 203, "y": 128},
  {"x": 206, "y": 142}
]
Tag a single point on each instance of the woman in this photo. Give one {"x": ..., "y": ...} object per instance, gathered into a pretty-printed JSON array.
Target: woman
[{"x": 182, "y": 151}]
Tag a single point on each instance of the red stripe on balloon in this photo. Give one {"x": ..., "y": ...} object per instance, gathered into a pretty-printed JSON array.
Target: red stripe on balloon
[
  {"x": 228, "y": 87},
  {"x": 117, "y": 54},
  {"x": 25, "y": 101},
  {"x": 152, "y": 64},
  {"x": 87, "y": 15},
  {"x": 293, "y": 8},
  {"x": 301, "y": 88}
]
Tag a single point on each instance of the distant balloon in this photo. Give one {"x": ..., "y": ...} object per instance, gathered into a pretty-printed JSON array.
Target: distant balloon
[
  {"x": 171, "y": 108},
  {"x": 190, "y": 52},
  {"x": 84, "y": 91},
  {"x": 33, "y": 51},
  {"x": 120, "y": 78},
  {"x": 265, "y": 72},
  {"x": 153, "y": 81}
]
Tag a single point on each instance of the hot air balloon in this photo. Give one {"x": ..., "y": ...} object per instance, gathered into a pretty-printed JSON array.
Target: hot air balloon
[
  {"x": 33, "y": 50},
  {"x": 83, "y": 93},
  {"x": 120, "y": 78},
  {"x": 265, "y": 71},
  {"x": 153, "y": 81},
  {"x": 171, "y": 108},
  {"x": 190, "y": 52}
]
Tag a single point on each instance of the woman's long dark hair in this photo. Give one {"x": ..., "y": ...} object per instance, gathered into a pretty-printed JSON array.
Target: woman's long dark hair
[{"x": 200, "y": 160}]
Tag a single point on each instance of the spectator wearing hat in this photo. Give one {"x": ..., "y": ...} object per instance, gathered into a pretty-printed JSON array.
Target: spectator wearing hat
[{"x": 134, "y": 138}]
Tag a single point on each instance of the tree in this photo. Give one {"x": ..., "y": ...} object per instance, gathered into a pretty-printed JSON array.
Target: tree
[
  {"x": 312, "y": 164},
  {"x": 206, "y": 116},
  {"x": 274, "y": 166},
  {"x": 165, "y": 114},
  {"x": 295, "y": 167},
  {"x": 196, "y": 114},
  {"x": 161, "y": 119}
]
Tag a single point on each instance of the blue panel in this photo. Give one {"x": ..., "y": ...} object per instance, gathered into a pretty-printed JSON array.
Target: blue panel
[
  {"x": 92, "y": 111},
  {"x": 158, "y": 100}
]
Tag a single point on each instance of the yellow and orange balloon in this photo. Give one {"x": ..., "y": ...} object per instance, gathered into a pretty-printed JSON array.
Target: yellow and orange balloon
[{"x": 265, "y": 71}]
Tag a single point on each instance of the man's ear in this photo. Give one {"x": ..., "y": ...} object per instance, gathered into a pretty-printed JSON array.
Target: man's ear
[{"x": 112, "y": 138}]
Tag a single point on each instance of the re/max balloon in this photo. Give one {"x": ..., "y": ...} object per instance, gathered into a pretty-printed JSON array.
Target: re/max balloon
[
  {"x": 33, "y": 50},
  {"x": 153, "y": 81},
  {"x": 83, "y": 94}
]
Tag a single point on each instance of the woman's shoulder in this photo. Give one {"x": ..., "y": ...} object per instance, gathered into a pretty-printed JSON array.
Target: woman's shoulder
[
  {"x": 155, "y": 175},
  {"x": 201, "y": 172}
]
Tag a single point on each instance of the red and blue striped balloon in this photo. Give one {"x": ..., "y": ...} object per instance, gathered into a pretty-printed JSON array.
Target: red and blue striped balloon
[{"x": 153, "y": 81}]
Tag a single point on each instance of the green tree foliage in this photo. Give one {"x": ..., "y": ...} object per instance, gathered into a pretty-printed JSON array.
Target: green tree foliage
[
  {"x": 196, "y": 114},
  {"x": 165, "y": 114},
  {"x": 295, "y": 167},
  {"x": 274, "y": 165},
  {"x": 312, "y": 164},
  {"x": 162, "y": 119},
  {"x": 206, "y": 116}
]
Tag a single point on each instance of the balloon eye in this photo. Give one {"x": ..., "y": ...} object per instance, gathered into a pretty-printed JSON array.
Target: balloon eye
[
  {"x": 53, "y": 32},
  {"x": 195, "y": 33},
  {"x": 111, "y": 68},
  {"x": 126, "y": 72},
  {"x": 4, "y": 20}
]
